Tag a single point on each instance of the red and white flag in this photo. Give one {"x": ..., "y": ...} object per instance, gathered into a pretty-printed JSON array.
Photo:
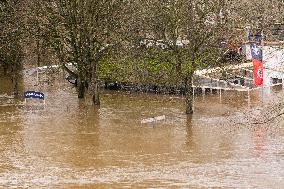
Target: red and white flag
[
  {"x": 256, "y": 53},
  {"x": 257, "y": 72}
]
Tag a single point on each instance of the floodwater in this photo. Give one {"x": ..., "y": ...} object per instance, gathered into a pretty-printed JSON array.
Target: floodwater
[{"x": 68, "y": 143}]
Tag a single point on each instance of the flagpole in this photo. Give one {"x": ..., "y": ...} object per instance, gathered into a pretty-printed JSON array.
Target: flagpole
[
  {"x": 262, "y": 64},
  {"x": 249, "y": 40}
]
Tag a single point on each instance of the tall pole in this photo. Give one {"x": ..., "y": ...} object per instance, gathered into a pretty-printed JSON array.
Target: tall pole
[{"x": 261, "y": 43}]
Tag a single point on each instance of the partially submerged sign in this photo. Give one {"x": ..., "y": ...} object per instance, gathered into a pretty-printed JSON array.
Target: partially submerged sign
[{"x": 34, "y": 94}]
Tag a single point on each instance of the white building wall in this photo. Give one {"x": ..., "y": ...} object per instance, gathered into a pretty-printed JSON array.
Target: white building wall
[{"x": 273, "y": 63}]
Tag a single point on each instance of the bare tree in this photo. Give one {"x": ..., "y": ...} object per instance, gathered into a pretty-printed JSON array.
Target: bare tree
[
  {"x": 11, "y": 37},
  {"x": 190, "y": 30},
  {"x": 82, "y": 33}
]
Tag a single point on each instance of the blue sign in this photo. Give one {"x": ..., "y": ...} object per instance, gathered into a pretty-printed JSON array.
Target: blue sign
[{"x": 34, "y": 94}]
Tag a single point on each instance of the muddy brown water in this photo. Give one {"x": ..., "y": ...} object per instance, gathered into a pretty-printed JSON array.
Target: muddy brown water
[{"x": 68, "y": 143}]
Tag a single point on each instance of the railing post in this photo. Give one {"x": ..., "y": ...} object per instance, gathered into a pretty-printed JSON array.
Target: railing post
[
  {"x": 248, "y": 98},
  {"x": 220, "y": 95}
]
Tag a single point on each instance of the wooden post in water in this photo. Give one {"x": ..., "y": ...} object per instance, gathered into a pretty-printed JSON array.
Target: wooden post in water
[
  {"x": 220, "y": 92},
  {"x": 203, "y": 93}
]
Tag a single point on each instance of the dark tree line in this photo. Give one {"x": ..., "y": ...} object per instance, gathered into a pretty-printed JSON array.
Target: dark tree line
[{"x": 11, "y": 39}]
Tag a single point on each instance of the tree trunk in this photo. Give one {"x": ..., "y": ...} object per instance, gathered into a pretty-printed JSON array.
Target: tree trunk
[
  {"x": 5, "y": 69},
  {"x": 16, "y": 87},
  {"x": 178, "y": 66},
  {"x": 96, "y": 91},
  {"x": 94, "y": 84},
  {"x": 189, "y": 95},
  {"x": 15, "y": 79},
  {"x": 178, "y": 63},
  {"x": 81, "y": 88},
  {"x": 38, "y": 53}
]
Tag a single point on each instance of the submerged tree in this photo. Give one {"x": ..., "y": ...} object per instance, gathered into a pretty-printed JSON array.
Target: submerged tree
[
  {"x": 190, "y": 30},
  {"x": 11, "y": 37},
  {"x": 81, "y": 33}
]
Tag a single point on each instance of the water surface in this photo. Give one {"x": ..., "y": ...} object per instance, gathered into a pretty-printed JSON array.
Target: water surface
[{"x": 68, "y": 143}]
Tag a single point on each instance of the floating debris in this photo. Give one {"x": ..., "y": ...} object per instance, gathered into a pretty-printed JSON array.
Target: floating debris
[{"x": 153, "y": 119}]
